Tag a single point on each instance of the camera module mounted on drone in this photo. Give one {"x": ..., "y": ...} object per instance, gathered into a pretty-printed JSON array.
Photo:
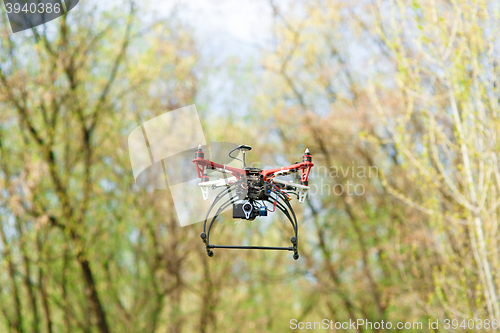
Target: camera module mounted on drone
[{"x": 249, "y": 189}]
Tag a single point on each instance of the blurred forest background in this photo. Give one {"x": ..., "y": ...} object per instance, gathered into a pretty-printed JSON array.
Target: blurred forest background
[{"x": 408, "y": 87}]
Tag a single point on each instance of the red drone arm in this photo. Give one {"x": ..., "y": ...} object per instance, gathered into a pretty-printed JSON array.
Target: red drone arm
[
  {"x": 201, "y": 164},
  {"x": 305, "y": 166}
]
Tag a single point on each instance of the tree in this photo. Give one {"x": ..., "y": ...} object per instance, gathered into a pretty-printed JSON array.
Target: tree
[
  {"x": 66, "y": 205},
  {"x": 443, "y": 129}
]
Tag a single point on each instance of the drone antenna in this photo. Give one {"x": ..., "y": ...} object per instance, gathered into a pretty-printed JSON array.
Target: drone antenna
[{"x": 243, "y": 149}]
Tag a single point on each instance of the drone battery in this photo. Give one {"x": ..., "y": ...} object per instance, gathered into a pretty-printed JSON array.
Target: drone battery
[{"x": 263, "y": 211}]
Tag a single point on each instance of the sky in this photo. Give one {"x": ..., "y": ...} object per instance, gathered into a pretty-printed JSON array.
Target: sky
[
  {"x": 230, "y": 28},
  {"x": 230, "y": 36},
  {"x": 223, "y": 27}
]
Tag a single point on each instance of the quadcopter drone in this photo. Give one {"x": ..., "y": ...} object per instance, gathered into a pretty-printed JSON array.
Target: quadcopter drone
[{"x": 249, "y": 189}]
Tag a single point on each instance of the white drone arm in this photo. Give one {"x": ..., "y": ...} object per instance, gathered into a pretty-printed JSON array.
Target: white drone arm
[
  {"x": 204, "y": 186},
  {"x": 302, "y": 189}
]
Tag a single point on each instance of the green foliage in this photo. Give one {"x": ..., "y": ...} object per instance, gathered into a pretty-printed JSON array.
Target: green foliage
[{"x": 406, "y": 88}]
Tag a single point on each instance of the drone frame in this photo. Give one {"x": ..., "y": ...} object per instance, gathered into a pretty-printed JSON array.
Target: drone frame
[{"x": 278, "y": 192}]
